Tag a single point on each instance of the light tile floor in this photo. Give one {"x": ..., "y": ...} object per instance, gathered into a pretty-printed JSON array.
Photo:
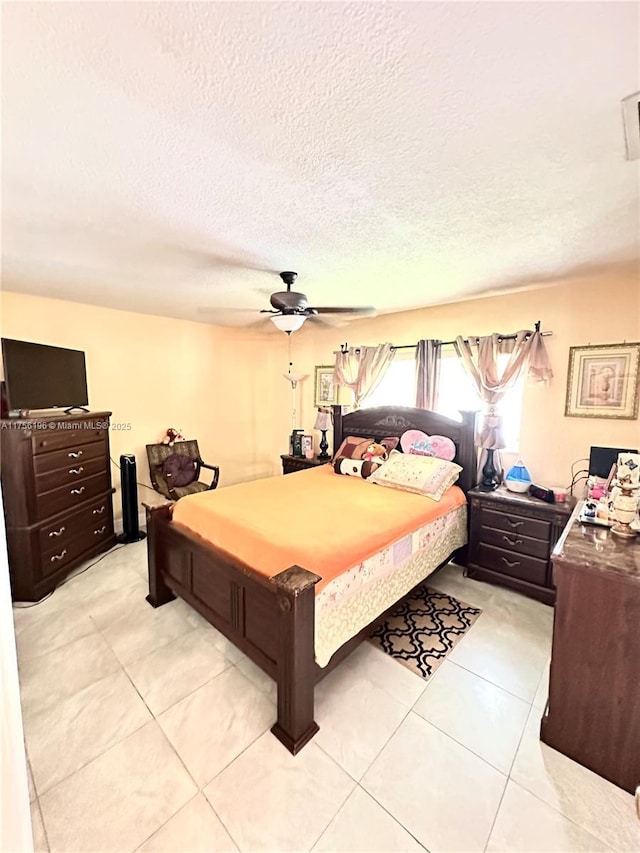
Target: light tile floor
[{"x": 117, "y": 699}]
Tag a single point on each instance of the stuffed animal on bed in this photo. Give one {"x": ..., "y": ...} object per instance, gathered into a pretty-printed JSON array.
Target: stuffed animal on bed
[
  {"x": 376, "y": 453},
  {"x": 373, "y": 457}
]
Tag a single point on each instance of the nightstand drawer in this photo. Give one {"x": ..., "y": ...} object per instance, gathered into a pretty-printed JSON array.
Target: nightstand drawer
[
  {"x": 521, "y": 566},
  {"x": 515, "y": 542},
  {"x": 533, "y": 527}
]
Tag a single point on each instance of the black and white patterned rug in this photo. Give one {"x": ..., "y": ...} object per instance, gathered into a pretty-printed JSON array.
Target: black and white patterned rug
[{"x": 424, "y": 628}]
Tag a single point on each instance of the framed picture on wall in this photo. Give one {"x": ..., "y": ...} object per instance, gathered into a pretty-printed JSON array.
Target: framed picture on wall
[
  {"x": 325, "y": 392},
  {"x": 603, "y": 381}
]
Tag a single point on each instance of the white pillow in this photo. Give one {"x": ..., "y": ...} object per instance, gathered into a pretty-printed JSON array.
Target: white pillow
[{"x": 423, "y": 475}]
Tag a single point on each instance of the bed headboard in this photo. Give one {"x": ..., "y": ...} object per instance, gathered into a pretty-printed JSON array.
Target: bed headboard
[{"x": 384, "y": 421}]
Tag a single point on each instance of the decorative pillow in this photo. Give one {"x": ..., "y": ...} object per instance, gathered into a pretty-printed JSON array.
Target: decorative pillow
[
  {"x": 391, "y": 442},
  {"x": 354, "y": 467},
  {"x": 179, "y": 470},
  {"x": 423, "y": 475},
  {"x": 353, "y": 447},
  {"x": 418, "y": 443}
]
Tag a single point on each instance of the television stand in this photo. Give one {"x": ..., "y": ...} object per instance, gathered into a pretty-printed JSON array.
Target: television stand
[{"x": 76, "y": 409}]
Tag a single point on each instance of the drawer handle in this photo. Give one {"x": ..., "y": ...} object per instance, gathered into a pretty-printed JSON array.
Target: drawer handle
[
  {"x": 76, "y": 470},
  {"x": 515, "y": 540},
  {"x": 57, "y": 532},
  {"x": 75, "y": 454},
  {"x": 58, "y": 556},
  {"x": 100, "y": 530},
  {"x": 515, "y": 524},
  {"x": 98, "y": 511},
  {"x": 77, "y": 491},
  {"x": 509, "y": 563}
]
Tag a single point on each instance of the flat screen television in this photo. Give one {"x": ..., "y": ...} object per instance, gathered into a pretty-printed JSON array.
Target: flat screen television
[
  {"x": 42, "y": 377},
  {"x": 601, "y": 459}
]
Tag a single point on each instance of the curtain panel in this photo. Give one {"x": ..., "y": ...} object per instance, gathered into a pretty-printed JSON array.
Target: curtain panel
[
  {"x": 427, "y": 373},
  {"x": 362, "y": 368},
  {"x": 479, "y": 359}
]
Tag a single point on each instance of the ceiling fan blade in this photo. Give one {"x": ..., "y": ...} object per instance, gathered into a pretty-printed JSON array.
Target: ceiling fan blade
[
  {"x": 362, "y": 309},
  {"x": 212, "y": 309}
]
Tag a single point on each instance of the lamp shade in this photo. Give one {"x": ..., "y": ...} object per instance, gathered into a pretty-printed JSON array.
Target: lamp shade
[
  {"x": 288, "y": 322},
  {"x": 294, "y": 378},
  {"x": 323, "y": 421}
]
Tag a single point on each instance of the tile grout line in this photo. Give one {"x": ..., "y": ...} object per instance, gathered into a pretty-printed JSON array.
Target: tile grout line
[
  {"x": 563, "y": 815},
  {"x": 488, "y": 680},
  {"x": 544, "y": 802},
  {"x": 44, "y": 827},
  {"x": 484, "y": 678},
  {"x": 504, "y": 773}
]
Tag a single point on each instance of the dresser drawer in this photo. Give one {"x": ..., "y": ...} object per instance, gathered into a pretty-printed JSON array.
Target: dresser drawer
[
  {"x": 59, "y": 500},
  {"x": 42, "y": 441},
  {"x": 86, "y": 540},
  {"x": 533, "y": 527},
  {"x": 515, "y": 542},
  {"x": 61, "y": 532},
  {"x": 70, "y": 457},
  {"x": 521, "y": 566},
  {"x": 72, "y": 473}
]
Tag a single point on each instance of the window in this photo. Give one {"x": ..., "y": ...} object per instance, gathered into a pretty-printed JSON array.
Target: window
[
  {"x": 456, "y": 392},
  {"x": 398, "y": 388}
]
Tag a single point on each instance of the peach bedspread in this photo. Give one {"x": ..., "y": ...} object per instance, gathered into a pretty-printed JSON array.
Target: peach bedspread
[{"x": 313, "y": 518}]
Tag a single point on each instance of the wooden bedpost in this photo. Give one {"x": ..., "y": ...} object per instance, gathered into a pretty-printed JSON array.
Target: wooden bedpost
[
  {"x": 159, "y": 592},
  {"x": 296, "y": 657},
  {"x": 467, "y": 454}
]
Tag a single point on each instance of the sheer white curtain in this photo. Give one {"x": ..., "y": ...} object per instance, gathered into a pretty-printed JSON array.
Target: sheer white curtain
[
  {"x": 362, "y": 368},
  {"x": 479, "y": 357}
]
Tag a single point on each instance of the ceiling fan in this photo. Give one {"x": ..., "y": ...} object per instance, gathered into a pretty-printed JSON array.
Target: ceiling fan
[{"x": 290, "y": 309}]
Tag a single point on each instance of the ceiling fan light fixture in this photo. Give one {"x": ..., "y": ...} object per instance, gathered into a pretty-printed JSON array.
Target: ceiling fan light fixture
[{"x": 288, "y": 322}]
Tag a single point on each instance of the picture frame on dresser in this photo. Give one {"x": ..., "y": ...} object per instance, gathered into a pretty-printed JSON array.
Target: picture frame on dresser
[{"x": 603, "y": 381}]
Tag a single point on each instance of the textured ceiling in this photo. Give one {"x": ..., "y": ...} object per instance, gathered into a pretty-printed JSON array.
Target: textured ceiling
[{"x": 162, "y": 157}]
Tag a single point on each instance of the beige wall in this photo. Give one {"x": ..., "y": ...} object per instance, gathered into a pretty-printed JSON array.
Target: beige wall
[
  {"x": 597, "y": 311},
  {"x": 225, "y": 386},
  {"x": 215, "y": 384}
]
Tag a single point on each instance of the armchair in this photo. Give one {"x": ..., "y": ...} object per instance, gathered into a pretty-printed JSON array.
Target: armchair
[{"x": 175, "y": 469}]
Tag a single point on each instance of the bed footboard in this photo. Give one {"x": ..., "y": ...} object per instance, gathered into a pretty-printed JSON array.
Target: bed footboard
[
  {"x": 271, "y": 621},
  {"x": 159, "y": 592},
  {"x": 296, "y": 669}
]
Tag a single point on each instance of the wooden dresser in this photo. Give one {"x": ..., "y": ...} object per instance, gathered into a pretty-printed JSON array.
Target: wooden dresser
[
  {"x": 511, "y": 538},
  {"x": 56, "y": 488},
  {"x": 593, "y": 711}
]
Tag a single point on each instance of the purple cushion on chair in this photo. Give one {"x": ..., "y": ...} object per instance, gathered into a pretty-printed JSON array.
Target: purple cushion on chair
[{"x": 179, "y": 470}]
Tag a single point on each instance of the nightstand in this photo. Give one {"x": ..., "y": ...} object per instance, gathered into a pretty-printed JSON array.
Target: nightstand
[
  {"x": 511, "y": 538},
  {"x": 299, "y": 463}
]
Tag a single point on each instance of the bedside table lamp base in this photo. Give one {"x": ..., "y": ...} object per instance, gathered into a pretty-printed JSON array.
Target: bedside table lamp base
[
  {"x": 323, "y": 423},
  {"x": 324, "y": 444},
  {"x": 490, "y": 475}
]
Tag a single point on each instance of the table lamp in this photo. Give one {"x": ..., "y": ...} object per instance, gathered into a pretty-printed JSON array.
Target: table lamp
[{"x": 323, "y": 423}]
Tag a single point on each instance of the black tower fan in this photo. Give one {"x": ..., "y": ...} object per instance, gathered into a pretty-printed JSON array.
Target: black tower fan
[{"x": 129, "y": 490}]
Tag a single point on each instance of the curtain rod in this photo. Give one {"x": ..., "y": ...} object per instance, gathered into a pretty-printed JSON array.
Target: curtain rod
[{"x": 344, "y": 347}]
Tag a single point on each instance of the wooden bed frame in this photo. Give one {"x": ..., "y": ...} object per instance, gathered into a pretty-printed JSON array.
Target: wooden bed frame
[{"x": 272, "y": 620}]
